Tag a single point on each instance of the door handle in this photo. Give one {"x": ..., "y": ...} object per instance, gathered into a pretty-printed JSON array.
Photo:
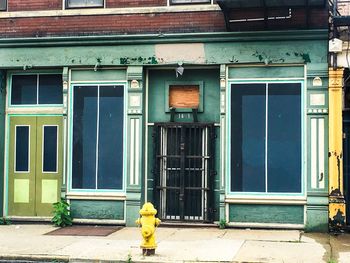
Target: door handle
[{"x": 321, "y": 177}]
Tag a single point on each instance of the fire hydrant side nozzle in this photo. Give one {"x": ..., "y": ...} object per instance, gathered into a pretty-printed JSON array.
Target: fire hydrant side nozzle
[{"x": 148, "y": 223}]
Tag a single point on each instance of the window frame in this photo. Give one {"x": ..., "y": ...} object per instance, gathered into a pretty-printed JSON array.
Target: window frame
[
  {"x": 303, "y": 120},
  {"x": 70, "y": 138},
  {"x": 66, "y": 5},
  {"x": 37, "y": 73},
  {"x": 190, "y": 2}
]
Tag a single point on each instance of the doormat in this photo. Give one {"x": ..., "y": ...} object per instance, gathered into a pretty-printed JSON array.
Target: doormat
[{"x": 85, "y": 231}]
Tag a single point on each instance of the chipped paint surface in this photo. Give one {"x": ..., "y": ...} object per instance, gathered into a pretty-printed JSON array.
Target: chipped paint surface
[{"x": 174, "y": 53}]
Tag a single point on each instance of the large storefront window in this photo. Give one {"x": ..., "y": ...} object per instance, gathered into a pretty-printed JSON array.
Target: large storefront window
[
  {"x": 98, "y": 113},
  {"x": 266, "y": 137}
]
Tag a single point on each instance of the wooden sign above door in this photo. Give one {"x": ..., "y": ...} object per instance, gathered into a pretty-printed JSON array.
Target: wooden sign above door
[{"x": 184, "y": 96}]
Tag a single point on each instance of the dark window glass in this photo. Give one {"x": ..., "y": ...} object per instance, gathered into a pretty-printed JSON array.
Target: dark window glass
[
  {"x": 248, "y": 137},
  {"x": 98, "y": 137},
  {"x": 84, "y": 137},
  {"x": 22, "y": 149},
  {"x": 50, "y": 149},
  {"x": 50, "y": 89},
  {"x": 110, "y": 144},
  {"x": 281, "y": 165},
  {"x": 284, "y": 138},
  {"x": 84, "y": 3},
  {"x": 24, "y": 89},
  {"x": 3, "y": 5}
]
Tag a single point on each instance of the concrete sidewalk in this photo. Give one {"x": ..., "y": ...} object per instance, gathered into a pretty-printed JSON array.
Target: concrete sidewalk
[{"x": 28, "y": 242}]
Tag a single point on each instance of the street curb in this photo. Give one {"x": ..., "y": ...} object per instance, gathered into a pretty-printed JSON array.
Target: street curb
[{"x": 33, "y": 258}]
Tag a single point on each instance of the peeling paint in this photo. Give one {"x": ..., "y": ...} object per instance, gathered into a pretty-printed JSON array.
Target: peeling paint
[
  {"x": 304, "y": 56},
  {"x": 267, "y": 59},
  {"x": 138, "y": 60}
]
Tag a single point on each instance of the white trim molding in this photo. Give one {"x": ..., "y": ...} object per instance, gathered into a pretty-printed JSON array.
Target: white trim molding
[{"x": 111, "y": 11}]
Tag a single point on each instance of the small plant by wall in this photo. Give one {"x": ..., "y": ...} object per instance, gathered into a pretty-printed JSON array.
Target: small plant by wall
[
  {"x": 222, "y": 224},
  {"x": 61, "y": 214},
  {"x": 4, "y": 221}
]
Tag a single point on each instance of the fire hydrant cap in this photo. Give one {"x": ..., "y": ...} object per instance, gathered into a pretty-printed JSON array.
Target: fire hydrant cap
[{"x": 148, "y": 209}]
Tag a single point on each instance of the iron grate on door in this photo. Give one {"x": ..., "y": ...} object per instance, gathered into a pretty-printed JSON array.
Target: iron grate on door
[{"x": 184, "y": 158}]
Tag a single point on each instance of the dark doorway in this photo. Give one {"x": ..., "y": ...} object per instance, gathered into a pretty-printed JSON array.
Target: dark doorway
[
  {"x": 346, "y": 161},
  {"x": 184, "y": 171}
]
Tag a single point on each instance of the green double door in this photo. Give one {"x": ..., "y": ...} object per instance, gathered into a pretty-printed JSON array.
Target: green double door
[{"x": 35, "y": 164}]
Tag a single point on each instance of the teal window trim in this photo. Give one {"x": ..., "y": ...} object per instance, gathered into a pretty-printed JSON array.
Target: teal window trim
[
  {"x": 70, "y": 138},
  {"x": 303, "y": 138},
  {"x": 30, "y": 72},
  {"x": 200, "y": 84}
]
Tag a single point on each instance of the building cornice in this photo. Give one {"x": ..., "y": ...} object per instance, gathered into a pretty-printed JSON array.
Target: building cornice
[{"x": 207, "y": 37}]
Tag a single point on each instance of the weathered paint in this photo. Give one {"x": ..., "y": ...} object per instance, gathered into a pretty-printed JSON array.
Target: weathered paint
[
  {"x": 225, "y": 48},
  {"x": 278, "y": 214},
  {"x": 336, "y": 194},
  {"x": 82, "y": 209},
  {"x": 2, "y": 134},
  {"x": 174, "y": 53}
]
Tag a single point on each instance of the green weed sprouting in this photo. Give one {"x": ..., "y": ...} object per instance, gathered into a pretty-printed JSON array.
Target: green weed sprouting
[
  {"x": 61, "y": 214},
  {"x": 4, "y": 221}
]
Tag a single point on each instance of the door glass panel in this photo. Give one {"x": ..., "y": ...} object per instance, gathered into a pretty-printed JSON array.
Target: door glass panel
[
  {"x": 50, "y": 89},
  {"x": 284, "y": 138},
  {"x": 84, "y": 137},
  {"x": 22, "y": 149},
  {"x": 50, "y": 149},
  {"x": 248, "y": 137},
  {"x": 24, "y": 89},
  {"x": 110, "y": 143}
]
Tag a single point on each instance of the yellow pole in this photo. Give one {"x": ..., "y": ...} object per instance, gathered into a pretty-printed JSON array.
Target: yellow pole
[{"x": 336, "y": 190}]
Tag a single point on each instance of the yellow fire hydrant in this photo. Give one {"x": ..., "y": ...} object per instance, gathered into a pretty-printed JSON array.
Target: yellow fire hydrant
[{"x": 148, "y": 223}]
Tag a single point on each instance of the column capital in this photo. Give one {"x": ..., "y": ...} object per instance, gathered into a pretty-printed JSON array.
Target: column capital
[{"x": 335, "y": 78}]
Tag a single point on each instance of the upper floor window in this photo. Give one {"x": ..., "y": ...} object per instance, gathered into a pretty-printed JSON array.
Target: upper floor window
[
  {"x": 190, "y": 2},
  {"x": 3, "y": 5},
  {"x": 36, "y": 89},
  {"x": 84, "y": 3}
]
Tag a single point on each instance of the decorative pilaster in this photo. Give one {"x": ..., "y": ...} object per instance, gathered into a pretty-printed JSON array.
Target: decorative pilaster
[
  {"x": 336, "y": 194},
  {"x": 2, "y": 133},
  {"x": 65, "y": 81},
  {"x": 135, "y": 145},
  {"x": 317, "y": 148},
  {"x": 223, "y": 83}
]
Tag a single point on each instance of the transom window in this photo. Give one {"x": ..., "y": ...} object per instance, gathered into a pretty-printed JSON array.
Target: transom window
[
  {"x": 36, "y": 89},
  {"x": 98, "y": 119},
  {"x": 84, "y": 3},
  {"x": 266, "y": 137}
]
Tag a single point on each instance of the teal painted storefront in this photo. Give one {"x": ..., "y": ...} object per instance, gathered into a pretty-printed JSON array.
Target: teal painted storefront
[{"x": 145, "y": 67}]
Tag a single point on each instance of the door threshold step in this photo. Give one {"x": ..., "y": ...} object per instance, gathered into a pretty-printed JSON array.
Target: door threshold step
[
  {"x": 29, "y": 219},
  {"x": 186, "y": 224}
]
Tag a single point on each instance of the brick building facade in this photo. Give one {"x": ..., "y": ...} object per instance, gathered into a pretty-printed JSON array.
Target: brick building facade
[{"x": 210, "y": 109}]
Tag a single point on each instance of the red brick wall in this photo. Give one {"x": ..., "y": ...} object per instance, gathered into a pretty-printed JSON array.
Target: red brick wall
[
  {"x": 24, "y": 5},
  {"x": 210, "y": 21},
  {"x": 134, "y": 3}
]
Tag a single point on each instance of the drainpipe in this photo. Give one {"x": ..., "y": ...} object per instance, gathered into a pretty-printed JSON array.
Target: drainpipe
[{"x": 336, "y": 190}]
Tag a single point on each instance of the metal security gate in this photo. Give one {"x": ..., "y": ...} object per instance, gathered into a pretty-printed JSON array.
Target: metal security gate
[{"x": 184, "y": 163}]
